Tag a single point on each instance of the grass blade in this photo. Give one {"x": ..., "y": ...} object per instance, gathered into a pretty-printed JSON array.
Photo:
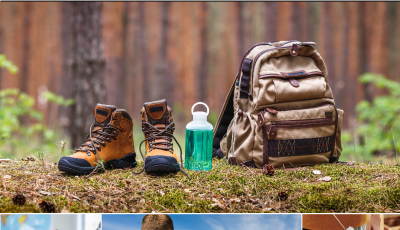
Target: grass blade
[{"x": 396, "y": 156}]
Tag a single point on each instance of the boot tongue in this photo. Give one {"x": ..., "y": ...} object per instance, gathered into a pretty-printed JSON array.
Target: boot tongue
[
  {"x": 158, "y": 116},
  {"x": 102, "y": 114},
  {"x": 157, "y": 112}
]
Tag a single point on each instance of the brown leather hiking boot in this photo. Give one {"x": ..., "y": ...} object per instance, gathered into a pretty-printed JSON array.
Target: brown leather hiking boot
[
  {"x": 158, "y": 128},
  {"x": 110, "y": 142}
]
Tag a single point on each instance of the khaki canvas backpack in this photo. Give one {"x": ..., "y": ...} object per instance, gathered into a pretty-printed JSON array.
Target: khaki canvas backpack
[{"x": 280, "y": 110}]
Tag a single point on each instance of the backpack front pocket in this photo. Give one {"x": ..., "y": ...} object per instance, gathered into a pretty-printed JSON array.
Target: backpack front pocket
[
  {"x": 276, "y": 89},
  {"x": 300, "y": 137},
  {"x": 299, "y": 89},
  {"x": 287, "y": 79}
]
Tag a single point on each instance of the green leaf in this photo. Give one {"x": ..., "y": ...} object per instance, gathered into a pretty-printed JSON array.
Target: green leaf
[{"x": 4, "y": 63}]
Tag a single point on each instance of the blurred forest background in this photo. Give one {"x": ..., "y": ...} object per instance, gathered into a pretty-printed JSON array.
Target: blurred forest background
[{"x": 184, "y": 52}]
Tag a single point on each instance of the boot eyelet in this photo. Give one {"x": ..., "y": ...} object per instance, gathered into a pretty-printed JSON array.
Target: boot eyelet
[
  {"x": 109, "y": 140},
  {"x": 115, "y": 132},
  {"x": 116, "y": 123},
  {"x": 118, "y": 114}
]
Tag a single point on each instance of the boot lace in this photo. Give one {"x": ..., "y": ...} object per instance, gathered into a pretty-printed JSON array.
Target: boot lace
[
  {"x": 98, "y": 139},
  {"x": 166, "y": 134}
]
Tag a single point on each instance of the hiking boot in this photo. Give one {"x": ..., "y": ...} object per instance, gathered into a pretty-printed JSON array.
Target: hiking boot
[
  {"x": 158, "y": 128},
  {"x": 109, "y": 143}
]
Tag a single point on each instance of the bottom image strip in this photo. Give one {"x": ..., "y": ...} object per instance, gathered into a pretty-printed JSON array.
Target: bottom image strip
[
  {"x": 51, "y": 221},
  {"x": 199, "y": 221},
  {"x": 342, "y": 221}
]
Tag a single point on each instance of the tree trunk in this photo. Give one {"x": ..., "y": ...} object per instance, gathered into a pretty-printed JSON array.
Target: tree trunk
[
  {"x": 397, "y": 62},
  {"x": 88, "y": 67},
  {"x": 328, "y": 41},
  {"x": 284, "y": 18},
  {"x": 66, "y": 78},
  {"x": 124, "y": 71},
  {"x": 313, "y": 24},
  {"x": 161, "y": 82},
  {"x": 113, "y": 39},
  {"x": 343, "y": 74},
  {"x": 239, "y": 7},
  {"x": 270, "y": 21},
  {"x": 394, "y": 39},
  {"x": 364, "y": 54},
  {"x": 25, "y": 60},
  {"x": 354, "y": 90},
  {"x": 143, "y": 52},
  {"x": 135, "y": 64},
  {"x": 296, "y": 23},
  {"x": 202, "y": 68},
  {"x": 1, "y": 47}
]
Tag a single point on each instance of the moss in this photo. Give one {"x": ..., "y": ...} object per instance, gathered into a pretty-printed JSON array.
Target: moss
[{"x": 354, "y": 188}]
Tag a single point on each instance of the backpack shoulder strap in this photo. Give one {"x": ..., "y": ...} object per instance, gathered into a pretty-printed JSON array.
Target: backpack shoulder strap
[{"x": 225, "y": 117}]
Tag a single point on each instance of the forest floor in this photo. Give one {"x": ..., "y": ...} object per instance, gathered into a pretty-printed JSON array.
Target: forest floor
[{"x": 354, "y": 187}]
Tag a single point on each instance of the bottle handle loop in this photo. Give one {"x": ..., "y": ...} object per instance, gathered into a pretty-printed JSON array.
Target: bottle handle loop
[{"x": 201, "y": 103}]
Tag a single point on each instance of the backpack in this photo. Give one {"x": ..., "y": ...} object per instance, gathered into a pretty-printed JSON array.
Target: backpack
[{"x": 280, "y": 110}]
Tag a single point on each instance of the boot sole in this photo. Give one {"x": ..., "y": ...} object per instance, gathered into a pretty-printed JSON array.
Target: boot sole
[
  {"x": 128, "y": 160},
  {"x": 161, "y": 164}
]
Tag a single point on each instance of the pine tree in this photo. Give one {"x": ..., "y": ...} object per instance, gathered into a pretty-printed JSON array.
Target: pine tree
[{"x": 87, "y": 67}]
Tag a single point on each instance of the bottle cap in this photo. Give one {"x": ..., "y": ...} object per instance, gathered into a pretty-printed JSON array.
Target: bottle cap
[{"x": 200, "y": 116}]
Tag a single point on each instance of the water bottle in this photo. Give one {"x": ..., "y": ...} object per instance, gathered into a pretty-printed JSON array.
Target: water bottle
[{"x": 199, "y": 136}]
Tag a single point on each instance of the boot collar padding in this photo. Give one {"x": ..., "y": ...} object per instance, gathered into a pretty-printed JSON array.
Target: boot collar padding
[
  {"x": 102, "y": 114},
  {"x": 156, "y": 111}
]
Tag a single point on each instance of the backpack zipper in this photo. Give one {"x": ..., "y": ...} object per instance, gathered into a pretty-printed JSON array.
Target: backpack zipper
[
  {"x": 293, "y": 81},
  {"x": 310, "y": 75},
  {"x": 296, "y": 124},
  {"x": 271, "y": 131},
  {"x": 267, "y": 109}
]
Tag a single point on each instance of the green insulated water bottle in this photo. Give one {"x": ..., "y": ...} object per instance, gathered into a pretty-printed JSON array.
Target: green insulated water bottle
[{"x": 199, "y": 135}]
